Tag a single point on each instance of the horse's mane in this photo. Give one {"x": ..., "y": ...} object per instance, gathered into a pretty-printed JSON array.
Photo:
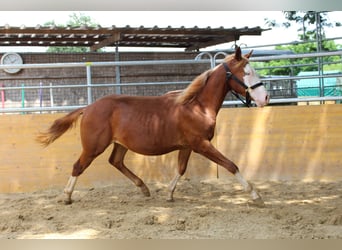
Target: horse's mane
[{"x": 189, "y": 93}]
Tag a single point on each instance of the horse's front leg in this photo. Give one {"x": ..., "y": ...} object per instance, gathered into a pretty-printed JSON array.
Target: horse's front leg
[
  {"x": 183, "y": 158},
  {"x": 206, "y": 149},
  {"x": 257, "y": 200}
]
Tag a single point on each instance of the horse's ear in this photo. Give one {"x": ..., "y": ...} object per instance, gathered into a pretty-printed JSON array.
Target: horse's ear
[
  {"x": 249, "y": 54},
  {"x": 238, "y": 55}
]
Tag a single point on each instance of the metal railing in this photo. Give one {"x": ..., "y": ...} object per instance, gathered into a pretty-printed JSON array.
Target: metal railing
[{"x": 212, "y": 60}]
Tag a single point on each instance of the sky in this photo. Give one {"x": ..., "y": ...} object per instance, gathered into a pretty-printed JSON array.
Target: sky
[{"x": 201, "y": 19}]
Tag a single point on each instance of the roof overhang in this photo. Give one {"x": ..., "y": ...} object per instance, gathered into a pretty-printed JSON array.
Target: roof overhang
[{"x": 98, "y": 37}]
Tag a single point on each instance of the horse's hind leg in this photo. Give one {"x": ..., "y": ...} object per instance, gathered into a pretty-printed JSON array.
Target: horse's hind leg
[
  {"x": 117, "y": 158},
  {"x": 183, "y": 158},
  {"x": 80, "y": 165},
  {"x": 69, "y": 188}
]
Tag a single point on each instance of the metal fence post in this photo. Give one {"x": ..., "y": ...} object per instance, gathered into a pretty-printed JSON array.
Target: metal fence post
[
  {"x": 117, "y": 71},
  {"x": 89, "y": 90}
]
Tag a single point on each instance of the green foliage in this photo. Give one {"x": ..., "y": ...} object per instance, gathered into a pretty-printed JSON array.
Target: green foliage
[
  {"x": 76, "y": 20},
  {"x": 280, "y": 67},
  {"x": 307, "y": 22},
  {"x": 80, "y": 19},
  {"x": 307, "y": 32}
]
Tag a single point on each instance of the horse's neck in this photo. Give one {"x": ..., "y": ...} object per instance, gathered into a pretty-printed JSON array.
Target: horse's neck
[{"x": 214, "y": 92}]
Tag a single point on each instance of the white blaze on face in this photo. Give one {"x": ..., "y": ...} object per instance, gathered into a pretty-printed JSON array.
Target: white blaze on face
[{"x": 259, "y": 94}]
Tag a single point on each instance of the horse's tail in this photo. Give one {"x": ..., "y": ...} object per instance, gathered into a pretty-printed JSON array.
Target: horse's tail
[{"x": 59, "y": 127}]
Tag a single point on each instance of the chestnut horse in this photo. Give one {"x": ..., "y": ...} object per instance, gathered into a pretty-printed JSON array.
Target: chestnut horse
[{"x": 181, "y": 120}]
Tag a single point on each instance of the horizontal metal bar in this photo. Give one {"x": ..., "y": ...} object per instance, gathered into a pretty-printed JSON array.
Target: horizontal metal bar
[
  {"x": 102, "y": 64},
  {"x": 161, "y": 62},
  {"x": 95, "y": 85},
  {"x": 296, "y": 56},
  {"x": 297, "y": 65},
  {"x": 300, "y": 77},
  {"x": 290, "y": 43},
  {"x": 291, "y": 100},
  {"x": 306, "y": 99},
  {"x": 39, "y": 109}
]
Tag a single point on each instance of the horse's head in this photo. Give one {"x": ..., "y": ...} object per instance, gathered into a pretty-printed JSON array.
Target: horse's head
[{"x": 243, "y": 79}]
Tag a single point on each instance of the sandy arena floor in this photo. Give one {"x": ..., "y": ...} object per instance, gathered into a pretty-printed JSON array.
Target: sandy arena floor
[{"x": 207, "y": 209}]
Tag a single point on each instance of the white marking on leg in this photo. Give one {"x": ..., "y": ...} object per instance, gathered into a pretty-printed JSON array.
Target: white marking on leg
[
  {"x": 242, "y": 181},
  {"x": 172, "y": 186},
  {"x": 247, "y": 186},
  {"x": 255, "y": 195},
  {"x": 69, "y": 188}
]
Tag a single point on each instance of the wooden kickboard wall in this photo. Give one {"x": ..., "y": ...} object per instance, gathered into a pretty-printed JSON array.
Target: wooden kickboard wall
[{"x": 271, "y": 143}]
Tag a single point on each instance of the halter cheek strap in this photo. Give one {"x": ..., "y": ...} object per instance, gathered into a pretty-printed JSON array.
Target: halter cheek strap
[{"x": 248, "y": 89}]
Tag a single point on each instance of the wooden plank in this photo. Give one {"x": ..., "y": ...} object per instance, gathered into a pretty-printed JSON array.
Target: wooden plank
[
  {"x": 25, "y": 166},
  {"x": 276, "y": 143},
  {"x": 287, "y": 142}
]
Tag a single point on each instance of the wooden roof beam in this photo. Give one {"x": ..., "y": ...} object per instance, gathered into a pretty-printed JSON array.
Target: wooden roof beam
[
  {"x": 110, "y": 40},
  {"x": 213, "y": 42}
]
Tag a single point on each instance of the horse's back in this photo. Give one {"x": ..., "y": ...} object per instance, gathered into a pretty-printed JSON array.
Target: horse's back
[{"x": 137, "y": 122}]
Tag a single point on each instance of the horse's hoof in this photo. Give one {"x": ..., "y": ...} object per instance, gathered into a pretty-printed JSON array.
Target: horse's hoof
[
  {"x": 258, "y": 202},
  {"x": 67, "y": 202},
  {"x": 170, "y": 199},
  {"x": 145, "y": 191}
]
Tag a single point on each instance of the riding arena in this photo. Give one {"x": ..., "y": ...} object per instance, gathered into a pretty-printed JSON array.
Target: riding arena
[{"x": 168, "y": 145}]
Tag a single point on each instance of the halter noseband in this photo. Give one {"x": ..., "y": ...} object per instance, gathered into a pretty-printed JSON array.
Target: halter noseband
[{"x": 248, "y": 89}]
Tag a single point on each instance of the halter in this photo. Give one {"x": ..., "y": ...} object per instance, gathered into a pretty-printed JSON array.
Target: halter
[{"x": 248, "y": 89}]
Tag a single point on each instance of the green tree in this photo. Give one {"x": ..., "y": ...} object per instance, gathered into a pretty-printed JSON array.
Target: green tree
[
  {"x": 307, "y": 21},
  {"x": 307, "y": 32},
  {"x": 76, "y": 20},
  {"x": 280, "y": 67}
]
